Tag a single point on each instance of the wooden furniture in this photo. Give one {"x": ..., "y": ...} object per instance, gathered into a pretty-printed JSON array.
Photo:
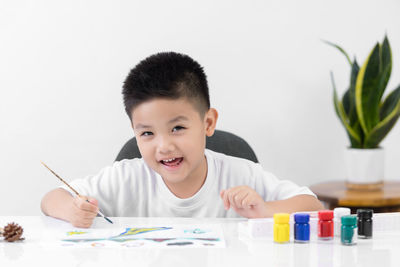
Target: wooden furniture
[{"x": 335, "y": 194}]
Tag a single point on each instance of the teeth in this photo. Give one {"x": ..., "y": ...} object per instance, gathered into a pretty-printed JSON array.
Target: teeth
[{"x": 169, "y": 160}]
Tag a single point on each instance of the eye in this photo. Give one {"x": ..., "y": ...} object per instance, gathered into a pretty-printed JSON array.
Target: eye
[
  {"x": 146, "y": 134},
  {"x": 177, "y": 128}
]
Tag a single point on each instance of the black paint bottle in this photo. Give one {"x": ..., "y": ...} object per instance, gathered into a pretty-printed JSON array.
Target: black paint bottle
[{"x": 364, "y": 223}]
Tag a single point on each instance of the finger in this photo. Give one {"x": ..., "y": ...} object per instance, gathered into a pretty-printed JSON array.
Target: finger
[
  {"x": 221, "y": 194},
  {"x": 249, "y": 201},
  {"x": 240, "y": 196},
  {"x": 228, "y": 194},
  {"x": 88, "y": 221},
  {"x": 78, "y": 221},
  {"x": 82, "y": 223},
  {"x": 85, "y": 221},
  {"x": 231, "y": 196},
  {"x": 225, "y": 199},
  {"x": 87, "y": 215},
  {"x": 254, "y": 200},
  {"x": 82, "y": 204},
  {"x": 83, "y": 214},
  {"x": 93, "y": 201}
]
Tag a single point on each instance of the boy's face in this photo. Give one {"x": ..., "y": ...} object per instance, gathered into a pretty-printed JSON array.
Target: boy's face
[{"x": 171, "y": 138}]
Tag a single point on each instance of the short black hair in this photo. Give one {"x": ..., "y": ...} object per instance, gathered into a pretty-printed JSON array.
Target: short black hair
[{"x": 167, "y": 75}]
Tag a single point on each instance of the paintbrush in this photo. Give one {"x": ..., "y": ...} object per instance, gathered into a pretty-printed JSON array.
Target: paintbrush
[{"x": 76, "y": 192}]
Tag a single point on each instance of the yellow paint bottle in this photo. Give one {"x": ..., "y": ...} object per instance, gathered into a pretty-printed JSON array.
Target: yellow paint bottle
[{"x": 281, "y": 228}]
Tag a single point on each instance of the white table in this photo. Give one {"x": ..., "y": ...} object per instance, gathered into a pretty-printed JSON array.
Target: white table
[{"x": 383, "y": 250}]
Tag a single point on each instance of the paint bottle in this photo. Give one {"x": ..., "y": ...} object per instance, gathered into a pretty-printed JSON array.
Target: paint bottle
[
  {"x": 349, "y": 233},
  {"x": 325, "y": 225},
  {"x": 281, "y": 228},
  {"x": 364, "y": 223},
  {"x": 337, "y": 214},
  {"x": 301, "y": 228}
]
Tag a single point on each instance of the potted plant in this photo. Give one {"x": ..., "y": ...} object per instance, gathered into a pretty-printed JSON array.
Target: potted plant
[{"x": 367, "y": 116}]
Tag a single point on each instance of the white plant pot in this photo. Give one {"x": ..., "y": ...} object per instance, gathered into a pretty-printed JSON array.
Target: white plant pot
[{"x": 365, "y": 168}]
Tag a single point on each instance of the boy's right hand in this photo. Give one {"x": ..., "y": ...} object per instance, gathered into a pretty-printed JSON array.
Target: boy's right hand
[{"x": 83, "y": 212}]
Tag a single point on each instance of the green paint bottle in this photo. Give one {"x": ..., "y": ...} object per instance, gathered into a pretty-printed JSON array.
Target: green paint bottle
[{"x": 349, "y": 230}]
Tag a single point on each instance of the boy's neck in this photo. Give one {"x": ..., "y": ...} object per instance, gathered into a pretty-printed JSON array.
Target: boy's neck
[{"x": 192, "y": 184}]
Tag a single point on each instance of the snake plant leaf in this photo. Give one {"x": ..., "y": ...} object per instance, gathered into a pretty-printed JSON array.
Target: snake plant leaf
[
  {"x": 355, "y": 139},
  {"x": 366, "y": 118},
  {"x": 340, "y": 49},
  {"x": 380, "y": 131},
  {"x": 386, "y": 66},
  {"x": 348, "y": 100},
  {"x": 367, "y": 98},
  {"x": 390, "y": 103}
]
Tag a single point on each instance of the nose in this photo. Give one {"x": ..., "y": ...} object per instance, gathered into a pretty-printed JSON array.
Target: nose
[{"x": 165, "y": 145}]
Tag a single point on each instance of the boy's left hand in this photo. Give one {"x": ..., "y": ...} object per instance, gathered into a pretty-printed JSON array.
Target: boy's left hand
[{"x": 245, "y": 201}]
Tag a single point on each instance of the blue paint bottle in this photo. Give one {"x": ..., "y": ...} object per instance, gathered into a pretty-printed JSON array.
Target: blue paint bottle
[{"x": 301, "y": 228}]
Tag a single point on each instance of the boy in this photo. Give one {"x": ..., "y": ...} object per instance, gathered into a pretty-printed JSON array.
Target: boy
[{"x": 166, "y": 98}]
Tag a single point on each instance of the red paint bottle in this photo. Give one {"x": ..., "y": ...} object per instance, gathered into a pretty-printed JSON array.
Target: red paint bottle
[{"x": 325, "y": 225}]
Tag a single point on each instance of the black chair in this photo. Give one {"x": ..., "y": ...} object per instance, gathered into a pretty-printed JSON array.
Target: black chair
[{"x": 221, "y": 141}]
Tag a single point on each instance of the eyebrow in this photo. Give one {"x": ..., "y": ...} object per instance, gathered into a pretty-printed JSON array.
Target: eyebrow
[
  {"x": 141, "y": 126},
  {"x": 176, "y": 119},
  {"x": 179, "y": 118}
]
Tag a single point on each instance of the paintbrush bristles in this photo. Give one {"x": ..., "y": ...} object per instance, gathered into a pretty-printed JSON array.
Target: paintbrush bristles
[{"x": 62, "y": 180}]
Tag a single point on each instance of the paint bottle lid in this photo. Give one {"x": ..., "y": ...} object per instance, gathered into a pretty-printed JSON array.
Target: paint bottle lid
[
  {"x": 325, "y": 215},
  {"x": 281, "y": 217},
  {"x": 301, "y": 218},
  {"x": 349, "y": 220},
  {"x": 339, "y": 212},
  {"x": 365, "y": 213}
]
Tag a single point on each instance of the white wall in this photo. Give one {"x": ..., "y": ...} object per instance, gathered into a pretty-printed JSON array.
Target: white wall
[{"x": 62, "y": 64}]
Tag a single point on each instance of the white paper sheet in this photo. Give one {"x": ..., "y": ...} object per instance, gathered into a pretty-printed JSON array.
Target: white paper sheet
[{"x": 171, "y": 236}]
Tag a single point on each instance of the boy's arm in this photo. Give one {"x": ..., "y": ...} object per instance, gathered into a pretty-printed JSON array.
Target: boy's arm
[
  {"x": 248, "y": 203},
  {"x": 293, "y": 204},
  {"x": 60, "y": 204}
]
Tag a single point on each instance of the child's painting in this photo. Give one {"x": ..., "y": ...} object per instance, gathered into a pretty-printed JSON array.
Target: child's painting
[{"x": 146, "y": 237}]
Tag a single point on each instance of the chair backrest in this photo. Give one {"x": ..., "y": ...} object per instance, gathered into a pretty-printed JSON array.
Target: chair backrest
[{"x": 221, "y": 141}]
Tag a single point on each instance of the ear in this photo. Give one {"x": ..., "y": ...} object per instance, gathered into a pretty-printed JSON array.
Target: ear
[{"x": 210, "y": 121}]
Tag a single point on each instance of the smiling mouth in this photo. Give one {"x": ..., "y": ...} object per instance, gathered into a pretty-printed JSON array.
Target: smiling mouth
[{"x": 172, "y": 162}]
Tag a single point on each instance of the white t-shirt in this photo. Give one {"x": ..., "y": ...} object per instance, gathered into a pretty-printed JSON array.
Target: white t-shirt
[{"x": 131, "y": 188}]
